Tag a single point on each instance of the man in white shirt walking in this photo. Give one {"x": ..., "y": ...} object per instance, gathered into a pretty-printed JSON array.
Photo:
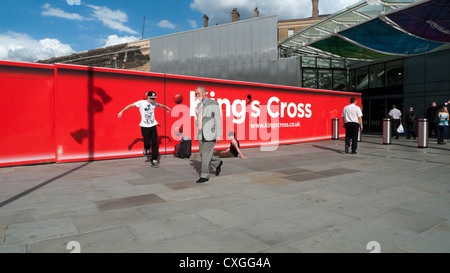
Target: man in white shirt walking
[
  {"x": 396, "y": 117},
  {"x": 352, "y": 122}
]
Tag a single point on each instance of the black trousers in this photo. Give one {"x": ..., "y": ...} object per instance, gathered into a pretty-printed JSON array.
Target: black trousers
[
  {"x": 437, "y": 131},
  {"x": 410, "y": 129},
  {"x": 150, "y": 135},
  {"x": 351, "y": 133},
  {"x": 394, "y": 125}
]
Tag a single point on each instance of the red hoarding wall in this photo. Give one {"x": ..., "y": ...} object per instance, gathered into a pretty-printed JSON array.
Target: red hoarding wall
[
  {"x": 27, "y": 119},
  {"x": 67, "y": 113},
  {"x": 260, "y": 115},
  {"x": 87, "y": 102}
]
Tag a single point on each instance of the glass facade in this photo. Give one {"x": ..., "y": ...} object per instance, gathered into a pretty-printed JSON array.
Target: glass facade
[
  {"x": 322, "y": 73},
  {"x": 376, "y": 76},
  {"x": 394, "y": 73},
  {"x": 362, "y": 78},
  {"x": 381, "y": 85}
]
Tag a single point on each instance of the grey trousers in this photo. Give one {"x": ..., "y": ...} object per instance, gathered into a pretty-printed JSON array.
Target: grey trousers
[{"x": 206, "y": 150}]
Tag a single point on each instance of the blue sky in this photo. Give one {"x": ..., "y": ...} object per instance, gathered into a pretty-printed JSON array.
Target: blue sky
[{"x": 40, "y": 29}]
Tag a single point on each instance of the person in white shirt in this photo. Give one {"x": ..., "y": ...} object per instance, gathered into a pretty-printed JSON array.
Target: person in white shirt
[
  {"x": 352, "y": 122},
  {"x": 396, "y": 117},
  {"x": 148, "y": 124}
]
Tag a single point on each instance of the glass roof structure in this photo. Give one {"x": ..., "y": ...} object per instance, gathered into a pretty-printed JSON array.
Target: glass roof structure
[{"x": 376, "y": 29}]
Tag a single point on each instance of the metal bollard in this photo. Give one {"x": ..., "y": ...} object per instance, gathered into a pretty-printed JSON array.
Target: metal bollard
[
  {"x": 335, "y": 129},
  {"x": 387, "y": 131},
  {"x": 423, "y": 133}
]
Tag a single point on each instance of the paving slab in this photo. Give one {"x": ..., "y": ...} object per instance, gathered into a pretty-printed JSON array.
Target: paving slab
[{"x": 305, "y": 197}]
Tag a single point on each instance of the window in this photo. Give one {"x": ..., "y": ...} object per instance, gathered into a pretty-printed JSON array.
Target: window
[
  {"x": 394, "y": 73},
  {"x": 325, "y": 79},
  {"x": 308, "y": 62},
  {"x": 362, "y": 78},
  {"x": 291, "y": 32},
  {"x": 309, "y": 78},
  {"x": 323, "y": 63},
  {"x": 338, "y": 64},
  {"x": 377, "y": 75},
  {"x": 339, "y": 80},
  {"x": 352, "y": 79}
]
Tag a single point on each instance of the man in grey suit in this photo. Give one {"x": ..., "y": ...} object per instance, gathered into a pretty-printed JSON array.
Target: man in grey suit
[{"x": 209, "y": 125}]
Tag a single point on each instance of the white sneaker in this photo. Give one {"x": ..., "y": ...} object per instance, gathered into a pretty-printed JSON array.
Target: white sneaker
[{"x": 154, "y": 163}]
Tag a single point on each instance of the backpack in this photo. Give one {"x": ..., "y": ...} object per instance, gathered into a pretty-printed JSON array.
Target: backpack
[{"x": 184, "y": 148}]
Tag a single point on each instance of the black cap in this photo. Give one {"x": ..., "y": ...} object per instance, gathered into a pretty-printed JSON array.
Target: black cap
[{"x": 151, "y": 94}]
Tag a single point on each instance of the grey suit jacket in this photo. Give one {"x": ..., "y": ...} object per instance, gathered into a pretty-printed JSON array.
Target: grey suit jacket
[{"x": 211, "y": 122}]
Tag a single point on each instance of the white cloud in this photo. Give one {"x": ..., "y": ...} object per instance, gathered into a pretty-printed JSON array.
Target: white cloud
[
  {"x": 112, "y": 19},
  {"x": 74, "y": 2},
  {"x": 21, "y": 47},
  {"x": 166, "y": 24},
  {"x": 220, "y": 11},
  {"x": 115, "y": 40},
  {"x": 193, "y": 23},
  {"x": 49, "y": 11}
]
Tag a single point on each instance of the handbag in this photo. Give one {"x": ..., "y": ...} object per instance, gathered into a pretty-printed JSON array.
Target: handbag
[{"x": 400, "y": 129}]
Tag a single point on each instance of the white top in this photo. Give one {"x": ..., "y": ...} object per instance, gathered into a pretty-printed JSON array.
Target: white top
[
  {"x": 395, "y": 113},
  {"x": 351, "y": 113},
  {"x": 147, "y": 111}
]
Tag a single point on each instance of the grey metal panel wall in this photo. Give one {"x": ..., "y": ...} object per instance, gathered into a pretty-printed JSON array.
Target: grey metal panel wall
[
  {"x": 426, "y": 78},
  {"x": 247, "y": 43},
  {"x": 264, "y": 41},
  {"x": 216, "y": 48},
  {"x": 256, "y": 45},
  {"x": 244, "y": 51},
  {"x": 282, "y": 71},
  {"x": 273, "y": 71},
  {"x": 293, "y": 73},
  {"x": 231, "y": 45},
  {"x": 273, "y": 36},
  {"x": 240, "y": 47}
]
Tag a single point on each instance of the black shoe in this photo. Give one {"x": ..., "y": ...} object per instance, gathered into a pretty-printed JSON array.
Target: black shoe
[
  {"x": 354, "y": 152},
  {"x": 202, "y": 180},
  {"x": 154, "y": 163},
  {"x": 218, "y": 169},
  {"x": 346, "y": 149}
]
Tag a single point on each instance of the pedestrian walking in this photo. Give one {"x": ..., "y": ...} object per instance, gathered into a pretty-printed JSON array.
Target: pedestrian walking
[
  {"x": 352, "y": 122},
  {"x": 410, "y": 121},
  {"x": 396, "y": 117},
  {"x": 209, "y": 125}
]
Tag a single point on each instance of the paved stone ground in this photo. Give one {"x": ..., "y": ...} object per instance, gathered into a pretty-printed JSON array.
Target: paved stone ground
[{"x": 308, "y": 197}]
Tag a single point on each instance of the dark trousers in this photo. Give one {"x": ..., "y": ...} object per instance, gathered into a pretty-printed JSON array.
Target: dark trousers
[
  {"x": 442, "y": 132},
  {"x": 394, "y": 125},
  {"x": 150, "y": 135},
  {"x": 351, "y": 133},
  {"x": 436, "y": 131},
  {"x": 410, "y": 129}
]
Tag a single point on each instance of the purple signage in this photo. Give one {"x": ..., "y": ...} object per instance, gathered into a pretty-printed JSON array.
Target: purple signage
[{"x": 430, "y": 20}]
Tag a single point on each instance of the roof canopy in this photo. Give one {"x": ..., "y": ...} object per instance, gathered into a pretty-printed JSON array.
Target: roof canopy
[{"x": 376, "y": 29}]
